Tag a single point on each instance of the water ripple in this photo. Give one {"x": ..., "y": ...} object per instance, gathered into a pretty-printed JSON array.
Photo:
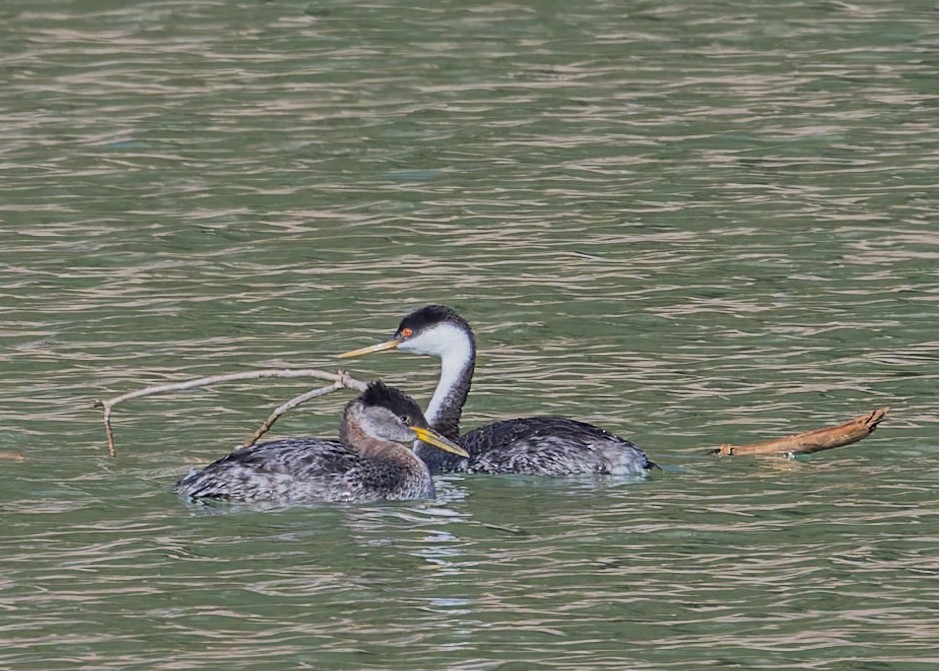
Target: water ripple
[{"x": 689, "y": 222}]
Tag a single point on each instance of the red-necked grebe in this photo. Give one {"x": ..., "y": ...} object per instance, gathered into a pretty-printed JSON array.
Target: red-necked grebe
[
  {"x": 533, "y": 445},
  {"x": 367, "y": 465}
]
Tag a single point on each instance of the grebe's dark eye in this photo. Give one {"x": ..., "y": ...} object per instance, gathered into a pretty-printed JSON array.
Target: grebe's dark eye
[{"x": 407, "y": 332}]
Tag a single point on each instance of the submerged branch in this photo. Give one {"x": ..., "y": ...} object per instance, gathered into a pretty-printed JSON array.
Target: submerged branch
[
  {"x": 810, "y": 441},
  {"x": 339, "y": 380}
]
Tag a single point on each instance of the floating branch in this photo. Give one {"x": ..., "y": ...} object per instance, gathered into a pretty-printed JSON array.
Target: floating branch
[
  {"x": 810, "y": 441},
  {"x": 340, "y": 380}
]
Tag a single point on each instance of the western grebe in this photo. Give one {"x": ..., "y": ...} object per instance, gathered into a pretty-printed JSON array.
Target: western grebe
[
  {"x": 368, "y": 464},
  {"x": 533, "y": 445}
]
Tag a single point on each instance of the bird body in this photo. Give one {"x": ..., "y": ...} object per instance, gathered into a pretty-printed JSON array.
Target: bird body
[
  {"x": 296, "y": 470},
  {"x": 529, "y": 445},
  {"x": 368, "y": 464},
  {"x": 542, "y": 445}
]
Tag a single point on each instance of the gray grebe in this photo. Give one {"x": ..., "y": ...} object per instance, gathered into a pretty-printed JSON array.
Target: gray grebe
[
  {"x": 532, "y": 445},
  {"x": 365, "y": 466}
]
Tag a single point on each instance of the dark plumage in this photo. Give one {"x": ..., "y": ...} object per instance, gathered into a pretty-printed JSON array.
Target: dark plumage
[
  {"x": 365, "y": 466},
  {"x": 542, "y": 445},
  {"x": 532, "y": 445}
]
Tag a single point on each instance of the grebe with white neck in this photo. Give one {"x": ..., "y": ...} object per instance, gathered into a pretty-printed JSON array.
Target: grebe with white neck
[{"x": 528, "y": 445}]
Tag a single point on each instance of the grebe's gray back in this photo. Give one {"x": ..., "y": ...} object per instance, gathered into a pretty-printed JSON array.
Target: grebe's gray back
[
  {"x": 368, "y": 463},
  {"x": 533, "y": 445}
]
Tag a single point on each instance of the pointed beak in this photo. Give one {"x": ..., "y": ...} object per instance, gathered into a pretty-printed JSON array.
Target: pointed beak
[
  {"x": 431, "y": 437},
  {"x": 380, "y": 347}
]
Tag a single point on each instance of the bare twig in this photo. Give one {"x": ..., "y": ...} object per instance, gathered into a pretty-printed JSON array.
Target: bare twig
[
  {"x": 340, "y": 380},
  {"x": 343, "y": 382},
  {"x": 810, "y": 441}
]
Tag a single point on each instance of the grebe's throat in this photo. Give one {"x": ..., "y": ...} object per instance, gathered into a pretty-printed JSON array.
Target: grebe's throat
[{"x": 456, "y": 348}]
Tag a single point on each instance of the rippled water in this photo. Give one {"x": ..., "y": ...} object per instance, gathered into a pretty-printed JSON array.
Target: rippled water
[{"x": 691, "y": 222}]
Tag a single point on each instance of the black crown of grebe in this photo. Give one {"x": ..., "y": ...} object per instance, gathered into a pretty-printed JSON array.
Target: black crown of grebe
[
  {"x": 368, "y": 464},
  {"x": 533, "y": 445}
]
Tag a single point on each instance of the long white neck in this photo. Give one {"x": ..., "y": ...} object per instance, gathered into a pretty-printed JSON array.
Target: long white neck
[
  {"x": 453, "y": 367},
  {"x": 456, "y": 349}
]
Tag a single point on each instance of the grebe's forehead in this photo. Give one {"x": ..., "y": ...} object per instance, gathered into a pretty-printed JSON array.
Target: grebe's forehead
[
  {"x": 385, "y": 413},
  {"x": 428, "y": 316},
  {"x": 379, "y": 396}
]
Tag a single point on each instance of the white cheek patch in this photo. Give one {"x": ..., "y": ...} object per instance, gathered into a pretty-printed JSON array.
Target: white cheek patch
[
  {"x": 455, "y": 349},
  {"x": 367, "y": 424},
  {"x": 442, "y": 340},
  {"x": 383, "y": 425}
]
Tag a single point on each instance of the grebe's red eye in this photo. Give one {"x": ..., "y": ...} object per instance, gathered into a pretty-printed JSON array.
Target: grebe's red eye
[{"x": 406, "y": 332}]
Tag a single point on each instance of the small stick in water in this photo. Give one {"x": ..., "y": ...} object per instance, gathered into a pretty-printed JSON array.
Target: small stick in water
[{"x": 810, "y": 441}]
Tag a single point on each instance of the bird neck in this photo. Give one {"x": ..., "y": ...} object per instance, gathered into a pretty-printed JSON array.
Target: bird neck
[
  {"x": 357, "y": 440},
  {"x": 457, "y": 363},
  {"x": 398, "y": 471}
]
